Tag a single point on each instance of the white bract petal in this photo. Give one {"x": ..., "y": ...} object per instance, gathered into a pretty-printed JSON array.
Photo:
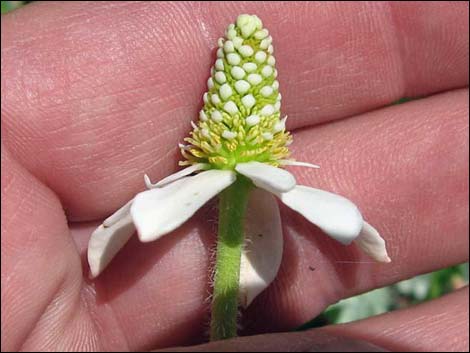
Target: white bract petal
[
  {"x": 119, "y": 214},
  {"x": 173, "y": 177},
  {"x": 335, "y": 215},
  {"x": 262, "y": 255},
  {"x": 297, "y": 163},
  {"x": 105, "y": 242},
  {"x": 265, "y": 176},
  {"x": 370, "y": 241},
  {"x": 159, "y": 211}
]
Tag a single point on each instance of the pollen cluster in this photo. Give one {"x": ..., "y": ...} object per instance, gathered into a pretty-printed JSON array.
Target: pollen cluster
[{"x": 240, "y": 121}]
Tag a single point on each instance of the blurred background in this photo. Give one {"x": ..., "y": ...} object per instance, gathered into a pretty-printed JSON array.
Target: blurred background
[
  {"x": 11, "y": 5},
  {"x": 401, "y": 295}
]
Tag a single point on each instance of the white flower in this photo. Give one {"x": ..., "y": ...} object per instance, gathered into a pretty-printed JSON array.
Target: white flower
[
  {"x": 171, "y": 202},
  {"x": 239, "y": 133}
]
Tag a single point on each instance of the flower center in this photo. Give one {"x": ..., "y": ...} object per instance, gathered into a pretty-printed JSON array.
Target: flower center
[{"x": 240, "y": 121}]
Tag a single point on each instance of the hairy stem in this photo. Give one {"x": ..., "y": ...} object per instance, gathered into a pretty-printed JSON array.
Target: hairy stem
[{"x": 232, "y": 206}]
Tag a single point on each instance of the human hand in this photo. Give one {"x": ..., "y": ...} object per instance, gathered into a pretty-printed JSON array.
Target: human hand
[{"x": 93, "y": 98}]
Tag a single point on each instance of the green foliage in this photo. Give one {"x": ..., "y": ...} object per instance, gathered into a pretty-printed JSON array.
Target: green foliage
[
  {"x": 372, "y": 303},
  {"x": 403, "y": 100},
  {"x": 8, "y": 6},
  {"x": 401, "y": 295}
]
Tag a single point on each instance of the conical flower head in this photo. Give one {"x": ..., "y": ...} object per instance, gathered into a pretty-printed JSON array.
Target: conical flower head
[{"x": 240, "y": 121}]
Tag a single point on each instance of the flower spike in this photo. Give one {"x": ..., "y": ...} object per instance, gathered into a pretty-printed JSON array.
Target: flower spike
[{"x": 240, "y": 121}]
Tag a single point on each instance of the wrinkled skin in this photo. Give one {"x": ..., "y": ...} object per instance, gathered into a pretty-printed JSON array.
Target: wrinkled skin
[{"x": 95, "y": 96}]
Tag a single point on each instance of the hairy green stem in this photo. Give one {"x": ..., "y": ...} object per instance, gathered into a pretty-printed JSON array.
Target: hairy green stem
[{"x": 232, "y": 206}]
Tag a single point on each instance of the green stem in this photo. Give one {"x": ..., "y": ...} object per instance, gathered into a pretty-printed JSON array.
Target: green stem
[{"x": 232, "y": 206}]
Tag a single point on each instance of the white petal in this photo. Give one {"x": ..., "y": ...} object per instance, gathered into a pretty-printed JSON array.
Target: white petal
[
  {"x": 267, "y": 177},
  {"x": 297, "y": 163},
  {"x": 105, "y": 242},
  {"x": 159, "y": 211},
  {"x": 119, "y": 214},
  {"x": 335, "y": 215},
  {"x": 372, "y": 243},
  {"x": 262, "y": 254},
  {"x": 178, "y": 175}
]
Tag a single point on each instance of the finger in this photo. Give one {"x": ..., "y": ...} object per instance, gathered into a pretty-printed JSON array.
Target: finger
[
  {"x": 163, "y": 287},
  {"x": 41, "y": 274},
  {"x": 103, "y": 97},
  {"x": 409, "y": 177},
  {"x": 441, "y": 324}
]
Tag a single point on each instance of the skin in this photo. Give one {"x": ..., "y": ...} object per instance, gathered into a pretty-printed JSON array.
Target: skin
[{"x": 94, "y": 97}]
